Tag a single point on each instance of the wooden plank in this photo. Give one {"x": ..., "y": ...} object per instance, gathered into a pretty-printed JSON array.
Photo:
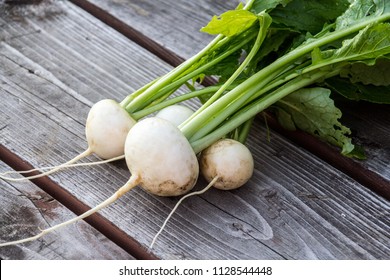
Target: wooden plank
[
  {"x": 174, "y": 25},
  {"x": 295, "y": 206},
  {"x": 156, "y": 21},
  {"x": 63, "y": 196},
  {"x": 26, "y": 208},
  {"x": 370, "y": 124},
  {"x": 356, "y": 169}
]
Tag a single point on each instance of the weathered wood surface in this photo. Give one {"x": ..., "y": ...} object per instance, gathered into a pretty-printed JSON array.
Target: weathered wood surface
[
  {"x": 56, "y": 60},
  {"x": 174, "y": 25},
  {"x": 26, "y": 208}
]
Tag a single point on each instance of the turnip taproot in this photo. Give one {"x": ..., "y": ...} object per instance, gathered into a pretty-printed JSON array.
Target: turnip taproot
[
  {"x": 211, "y": 183},
  {"x": 162, "y": 161}
]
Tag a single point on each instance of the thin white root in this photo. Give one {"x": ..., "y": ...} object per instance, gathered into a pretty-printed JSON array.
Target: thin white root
[
  {"x": 87, "y": 152},
  {"x": 130, "y": 184},
  {"x": 177, "y": 205},
  {"x": 55, "y": 168}
]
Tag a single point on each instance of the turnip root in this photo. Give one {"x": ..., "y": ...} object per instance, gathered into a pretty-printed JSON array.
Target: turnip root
[
  {"x": 160, "y": 159},
  {"x": 158, "y": 152},
  {"x": 228, "y": 159},
  {"x": 177, "y": 205},
  {"x": 176, "y": 114},
  {"x": 106, "y": 129}
]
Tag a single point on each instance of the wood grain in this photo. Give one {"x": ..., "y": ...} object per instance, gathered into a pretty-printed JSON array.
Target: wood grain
[
  {"x": 296, "y": 206},
  {"x": 173, "y": 25},
  {"x": 26, "y": 209}
]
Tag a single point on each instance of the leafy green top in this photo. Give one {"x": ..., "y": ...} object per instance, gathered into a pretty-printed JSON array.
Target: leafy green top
[{"x": 340, "y": 44}]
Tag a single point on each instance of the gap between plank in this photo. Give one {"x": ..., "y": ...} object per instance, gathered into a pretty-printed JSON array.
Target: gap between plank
[{"x": 97, "y": 221}]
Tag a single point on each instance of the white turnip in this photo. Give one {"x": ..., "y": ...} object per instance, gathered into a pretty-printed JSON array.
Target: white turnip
[
  {"x": 106, "y": 129},
  {"x": 176, "y": 114},
  {"x": 158, "y": 152},
  {"x": 228, "y": 159}
]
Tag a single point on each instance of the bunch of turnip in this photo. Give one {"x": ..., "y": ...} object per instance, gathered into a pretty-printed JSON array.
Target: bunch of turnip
[
  {"x": 165, "y": 155},
  {"x": 154, "y": 140}
]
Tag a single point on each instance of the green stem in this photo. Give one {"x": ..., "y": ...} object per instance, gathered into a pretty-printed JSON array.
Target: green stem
[
  {"x": 211, "y": 117},
  {"x": 142, "y": 103},
  {"x": 258, "y": 42},
  {"x": 149, "y": 110},
  {"x": 148, "y": 94},
  {"x": 256, "y": 107},
  {"x": 169, "y": 77},
  {"x": 280, "y": 80},
  {"x": 244, "y": 130},
  {"x": 222, "y": 108},
  {"x": 138, "y": 92}
]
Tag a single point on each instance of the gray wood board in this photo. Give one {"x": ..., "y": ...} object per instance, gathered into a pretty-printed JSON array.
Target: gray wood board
[
  {"x": 175, "y": 25},
  {"x": 294, "y": 207},
  {"x": 26, "y": 209}
]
